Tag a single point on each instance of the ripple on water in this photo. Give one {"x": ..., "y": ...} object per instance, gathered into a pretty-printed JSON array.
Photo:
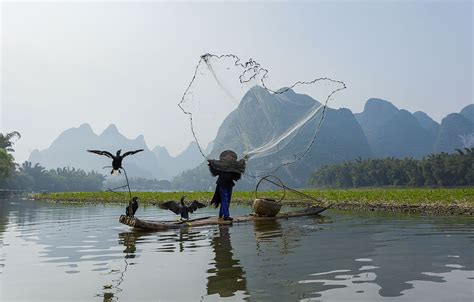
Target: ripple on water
[
  {"x": 368, "y": 267},
  {"x": 353, "y": 256},
  {"x": 363, "y": 260},
  {"x": 455, "y": 265},
  {"x": 331, "y": 272}
]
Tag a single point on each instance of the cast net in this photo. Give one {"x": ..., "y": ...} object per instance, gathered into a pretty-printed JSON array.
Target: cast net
[{"x": 231, "y": 107}]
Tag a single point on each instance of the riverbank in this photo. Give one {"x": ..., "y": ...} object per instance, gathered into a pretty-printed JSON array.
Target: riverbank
[{"x": 459, "y": 201}]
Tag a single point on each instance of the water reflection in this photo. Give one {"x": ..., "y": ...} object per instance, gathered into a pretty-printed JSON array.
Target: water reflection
[
  {"x": 270, "y": 235},
  {"x": 346, "y": 255},
  {"x": 386, "y": 262},
  {"x": 181, "y": 240},
  {"x": 129, "y": 240},
  {"x": 226, "y": 275},
  {"x": 265, "y": 231},
  {"x": 3, "y": 226}
]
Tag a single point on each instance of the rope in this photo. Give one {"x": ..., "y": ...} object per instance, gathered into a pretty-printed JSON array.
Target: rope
[
  {"x": 281, "y": 185},
  {"x": 128, "y": 184},
  {"x": 120, "y": 187},
  {"x": 285, "y": 187},
  {"x": 111, "y": 191}
]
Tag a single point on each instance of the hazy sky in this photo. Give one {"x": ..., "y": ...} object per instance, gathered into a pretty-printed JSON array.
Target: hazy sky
[{"x": 128, "y": 63}]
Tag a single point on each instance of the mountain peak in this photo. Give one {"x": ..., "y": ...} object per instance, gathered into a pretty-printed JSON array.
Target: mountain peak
[
  {"x": 286, "y": 90},
  {"x": 110, "y": 130},
  {"x": 74, "y": 135},
  {"x": 86, "y": 127},
  {"x": 375, "y": 104},
  {"x": 255, "y": 91},
  {"x": 453, "y": 128},
  {"x": 140, "y": 138},
  {"x": 257, "y": 88},
  {"x": 427, "y": 122},
  {"x": 424, "y": 119},
  {"x": 468, "y": 112},
  {"x": 161, "y": 152},
  {"x": 422, "y": 114},
  {"x": 468, "y": 107},
  {"x": 192, "y": 147}
]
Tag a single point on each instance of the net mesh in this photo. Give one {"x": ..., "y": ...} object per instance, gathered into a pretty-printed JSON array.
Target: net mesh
[{"x": 230, "y": 107}]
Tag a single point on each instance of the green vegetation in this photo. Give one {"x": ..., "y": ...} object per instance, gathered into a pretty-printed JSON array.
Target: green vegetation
[
  {"x": 7, "y": 164},
  {"x": 6, "y": 140},
  {"x": 414, "y": 196},
  {"x": 441, "y": 169},
  {"x": 36, "y": 178},
  {"x": 424, "y": 199}
]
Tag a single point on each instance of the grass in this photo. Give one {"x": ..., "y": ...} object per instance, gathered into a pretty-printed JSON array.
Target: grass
[
  {"x": 418, "y": 196},
  {"x": 410, "y": 197}
]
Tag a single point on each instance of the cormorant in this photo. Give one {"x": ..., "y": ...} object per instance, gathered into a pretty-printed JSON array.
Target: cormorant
[
  {"x": 132, "y": 207},
  {"x": 117, "y": 159},
  {"x": 182, "y": 209}
]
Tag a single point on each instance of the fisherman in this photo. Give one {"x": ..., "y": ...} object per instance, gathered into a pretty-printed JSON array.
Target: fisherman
[{"x": 228, "y": 170}]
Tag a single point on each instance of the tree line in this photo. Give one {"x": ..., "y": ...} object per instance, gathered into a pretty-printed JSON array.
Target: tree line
[
  {"x": 440, "y": 169},
  {"x": 36, "y": 178}
]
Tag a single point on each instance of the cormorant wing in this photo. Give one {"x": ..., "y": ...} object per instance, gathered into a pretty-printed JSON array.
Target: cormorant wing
[
  {"x": 195, "y": 205},
  {"x": 106, "y": 153},
  {"x": 171, "y": 205},
  {"x": 132, "y": 152}
]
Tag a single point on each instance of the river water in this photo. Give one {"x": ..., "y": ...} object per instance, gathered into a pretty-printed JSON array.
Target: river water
[{"x": 70, "y": 252}]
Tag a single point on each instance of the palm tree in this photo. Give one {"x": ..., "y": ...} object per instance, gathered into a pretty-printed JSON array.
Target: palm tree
[
  {"x": 35, "y": 171},
  {"x": 7, "y": 166},
  {"x": 6, "y": 140}
]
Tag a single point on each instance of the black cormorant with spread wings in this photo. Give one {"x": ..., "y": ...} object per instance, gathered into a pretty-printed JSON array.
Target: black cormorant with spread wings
[
  {"x": 181, "y": 208},
  {"x": 116, "y": 159}
]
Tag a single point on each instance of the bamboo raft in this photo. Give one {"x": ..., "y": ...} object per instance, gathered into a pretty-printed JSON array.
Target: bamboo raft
[{"x": 150, "y": 225}]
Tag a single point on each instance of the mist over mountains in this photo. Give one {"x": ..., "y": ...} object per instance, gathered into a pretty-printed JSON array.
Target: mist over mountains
[
  {"x": 398, "y": 133},
  {"x": 69, "y": 150},
  {"x": 380, "y": 130}
]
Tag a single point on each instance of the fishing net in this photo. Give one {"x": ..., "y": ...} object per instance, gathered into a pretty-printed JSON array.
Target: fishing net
[{"x": 230, "y": 107}]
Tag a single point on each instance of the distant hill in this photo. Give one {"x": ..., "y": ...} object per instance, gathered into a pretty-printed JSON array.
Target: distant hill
[
  {"x": 381, "y": 130},
  {"x": 468, "y": 112},
  {"x": 69, "y": 149},
  {"x": 340, "y": 138},
  {"x": 455, "y": 129},
  {"x": 172, "y": 166},
  {"x": 427, "y": 123},
  {"x": 394, "y": 132}
]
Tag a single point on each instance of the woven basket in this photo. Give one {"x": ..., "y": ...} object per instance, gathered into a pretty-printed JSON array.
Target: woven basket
[{"x": 266, "y": 207}]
